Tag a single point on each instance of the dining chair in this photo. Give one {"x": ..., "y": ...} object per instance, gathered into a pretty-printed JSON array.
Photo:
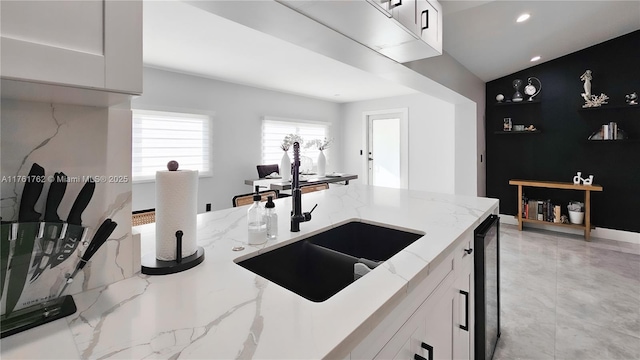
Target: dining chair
[
  {"x": 246, "y": 199},
  {"x": 312, "y": 188},
  {"x": 264, "y": 170},
  {"x": 142, "y": 217}
]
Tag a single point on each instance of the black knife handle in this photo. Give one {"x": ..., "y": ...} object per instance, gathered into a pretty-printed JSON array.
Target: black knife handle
[
  {"x": 54, "y": 197},
  {"x": 75, "y": 215},
  {"x": 30, "y": 194}
]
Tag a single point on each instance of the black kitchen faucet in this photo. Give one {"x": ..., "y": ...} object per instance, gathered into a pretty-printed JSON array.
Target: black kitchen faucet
[{"x": 297, "y": 216}]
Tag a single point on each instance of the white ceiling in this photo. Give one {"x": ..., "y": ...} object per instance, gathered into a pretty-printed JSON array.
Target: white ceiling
[
  {"x": 482, "y": 35},
  {"x": 183, "y": 38},
  {"x": 485, "y": 38}
]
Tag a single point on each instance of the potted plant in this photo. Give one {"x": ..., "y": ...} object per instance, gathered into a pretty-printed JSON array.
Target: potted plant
[
  {"x": 285, "y": 162},
  {"x": 322, "y": 160}
]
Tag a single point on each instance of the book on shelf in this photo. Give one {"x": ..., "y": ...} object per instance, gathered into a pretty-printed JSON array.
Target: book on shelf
[
  {"x": 542, "y": 210},
  {"x": 609, "y": 131},
  {"x": 540, "y": 213}
]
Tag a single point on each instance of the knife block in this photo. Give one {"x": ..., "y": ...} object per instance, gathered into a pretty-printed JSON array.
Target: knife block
[{"x": 37, "y": 259}]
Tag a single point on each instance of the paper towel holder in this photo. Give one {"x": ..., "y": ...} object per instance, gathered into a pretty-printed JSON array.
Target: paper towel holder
[{"x": 153, "y": 266}]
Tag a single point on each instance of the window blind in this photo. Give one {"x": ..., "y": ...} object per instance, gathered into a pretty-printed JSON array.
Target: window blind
[
  {"x": 158, "y": 137},
  {"x": 274, "y": 131}
]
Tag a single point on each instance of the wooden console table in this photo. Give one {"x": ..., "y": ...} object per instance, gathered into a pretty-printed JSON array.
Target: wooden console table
[{"x": 558, "y": 185}]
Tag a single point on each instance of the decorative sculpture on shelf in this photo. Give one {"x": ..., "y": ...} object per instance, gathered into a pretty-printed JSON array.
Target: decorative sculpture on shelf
[
  {"x": 531, "y": 90},
  {"x": 586, "y": 77},
  {"x": 591, "y": 100},
  {"x": 579, "y": 179},
  {"x": 517, "y": 96},
  {"x": 631, "y": 99}
]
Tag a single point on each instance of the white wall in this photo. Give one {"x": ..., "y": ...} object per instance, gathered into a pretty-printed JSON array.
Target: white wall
[
  {"x": 81, "y": 141},
  {"x": 466, "y": 158},
  {"x": 237, "y": 129},
  {"x": 449, "y": 72},
  {"x": 432, "y": 142}
]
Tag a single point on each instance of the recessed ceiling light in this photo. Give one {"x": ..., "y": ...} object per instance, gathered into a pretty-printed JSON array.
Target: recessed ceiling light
[
  {"x": 523, "y": 17},
  {"x": 535, "y": 58}
]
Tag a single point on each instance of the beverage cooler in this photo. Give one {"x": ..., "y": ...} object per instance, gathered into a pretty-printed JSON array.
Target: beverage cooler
[{"x": 487, "y": 287}]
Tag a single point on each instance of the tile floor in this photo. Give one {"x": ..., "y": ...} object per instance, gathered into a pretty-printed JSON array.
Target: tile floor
[{"x": 564, "y": 298}]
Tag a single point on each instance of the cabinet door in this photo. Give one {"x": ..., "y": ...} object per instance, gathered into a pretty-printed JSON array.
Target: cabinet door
[
  {"x": 439, "y": 321},
  {"x": 405, "y": 13},
  {"x": 463, "y": 328},
  {"x": 385, "y": 6},
  {"x": 406, "y": 343},
  {"x": 429, "y": 23},
  {"x": 90, "y": 43}
]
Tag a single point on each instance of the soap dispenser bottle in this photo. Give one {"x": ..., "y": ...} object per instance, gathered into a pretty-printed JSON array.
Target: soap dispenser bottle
[
  {"x": 256, "y": 221},
  {"x": 271, "y": 218}
]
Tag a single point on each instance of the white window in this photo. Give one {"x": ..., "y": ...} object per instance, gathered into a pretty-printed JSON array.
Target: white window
[
  {"x": 160, "y": 136},
  {"x": 275, "y": 129}
]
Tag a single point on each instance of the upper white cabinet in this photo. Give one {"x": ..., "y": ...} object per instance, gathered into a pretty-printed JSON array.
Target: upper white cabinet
[
  {"x": 91, "y": 44},
  {"x": 429, "y": 23},
  {"x": 393, "y": 28}
]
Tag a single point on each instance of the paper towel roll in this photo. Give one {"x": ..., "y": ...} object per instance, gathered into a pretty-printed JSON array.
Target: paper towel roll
[{"x": 176, "y": 209}]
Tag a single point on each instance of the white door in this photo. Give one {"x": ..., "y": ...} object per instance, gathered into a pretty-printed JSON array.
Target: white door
[{"x": 387, "y": 148}]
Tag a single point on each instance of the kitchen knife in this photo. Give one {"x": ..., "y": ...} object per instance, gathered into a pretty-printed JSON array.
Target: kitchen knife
[
  {"x": 75, "y": 230},
  {"x": 5, "y": 247},
  {"x": 30, "y": 194},
  {"x": 75, "y": 215},
  {"x": 27, "y": 232},
  {"x": 46, "y": 245},
  {"x": 99, "y": 238},
  {"x": 52, "y": 227},
  {"x": 54, "y": 197}
]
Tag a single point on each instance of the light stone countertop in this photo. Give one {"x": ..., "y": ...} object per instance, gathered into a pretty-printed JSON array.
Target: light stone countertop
[{"x": 219, "y": 310}]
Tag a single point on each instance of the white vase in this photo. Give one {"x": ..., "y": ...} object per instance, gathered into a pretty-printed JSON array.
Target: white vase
[
  {"x": 322, "y": 164},
  {"x": 285, "y": 167}
]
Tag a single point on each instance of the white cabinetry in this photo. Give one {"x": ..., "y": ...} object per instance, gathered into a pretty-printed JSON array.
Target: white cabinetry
[
  {"x": 434, "y": 321},
  {"x": 429, "y": 23},
  {"x": 462, "y": 333},
  {"x": 429, "y": 331},
  {"x": 390, "y": 27},
  {"x": 89, "y": 44}
]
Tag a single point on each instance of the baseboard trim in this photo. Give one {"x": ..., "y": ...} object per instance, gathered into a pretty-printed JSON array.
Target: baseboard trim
[{"x": 602, "y": 233}]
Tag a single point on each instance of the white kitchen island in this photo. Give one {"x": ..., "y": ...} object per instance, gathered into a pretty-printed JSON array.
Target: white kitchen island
[{"x": 220, "y": 310}]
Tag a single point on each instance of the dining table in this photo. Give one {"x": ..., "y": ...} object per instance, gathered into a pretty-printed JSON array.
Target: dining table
[{"x": 276, "y": 183}]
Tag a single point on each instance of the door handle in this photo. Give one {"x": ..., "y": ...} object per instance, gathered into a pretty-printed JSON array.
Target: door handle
[
  {"x": 370, "y": 159},
  {"x": 465, "y": 327},
  {"x": 425, "y": 15}
]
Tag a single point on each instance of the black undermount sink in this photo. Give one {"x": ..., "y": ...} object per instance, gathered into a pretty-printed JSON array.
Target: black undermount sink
[{"x": 321, "y": 265}]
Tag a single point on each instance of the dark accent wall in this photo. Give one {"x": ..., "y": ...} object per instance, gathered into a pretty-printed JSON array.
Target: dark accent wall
[{"x": 561, "y": 148}]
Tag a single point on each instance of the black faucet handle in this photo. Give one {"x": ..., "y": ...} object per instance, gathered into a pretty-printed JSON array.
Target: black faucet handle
[
  {"x": 314, "y": 207},
  {"x": 307, "y": 215}
]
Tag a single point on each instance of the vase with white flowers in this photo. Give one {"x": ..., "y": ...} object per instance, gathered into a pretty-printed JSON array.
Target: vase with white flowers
[
  {"x": 322, "y": 160},
  {"x": 285, "y": 162}
]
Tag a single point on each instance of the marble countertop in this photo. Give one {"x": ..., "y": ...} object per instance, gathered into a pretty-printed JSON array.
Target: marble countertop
[{"x": 220, "y": 310}]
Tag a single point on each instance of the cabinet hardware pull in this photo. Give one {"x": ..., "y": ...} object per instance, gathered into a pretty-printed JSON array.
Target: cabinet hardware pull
[
  {"x": 425, "y": 15},
  {"x": 393, "y": 6},
  {"x": 429, "y": 348},
  {"x": 468, "y": 251},
  {"x": 465, "y": 327},
  {"x": 418, "y": 357}
]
